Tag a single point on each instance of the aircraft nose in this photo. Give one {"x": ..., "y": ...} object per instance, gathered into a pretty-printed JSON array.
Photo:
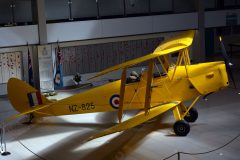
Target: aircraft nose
[
  {"x": 224, "y": 75},
  {"x": 208, "y": 77}
]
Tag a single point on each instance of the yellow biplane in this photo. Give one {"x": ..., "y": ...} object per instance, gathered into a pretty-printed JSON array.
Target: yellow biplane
[{"x": 153, "y": 93}]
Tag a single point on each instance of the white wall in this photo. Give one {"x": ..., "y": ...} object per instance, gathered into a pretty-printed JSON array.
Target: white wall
[
  {"x": 74, "y": 31},
  {"x": 94, "y": 29},
  {"x": 126, "y": 26},
  {"x": 175, "y": 22},
  {"x": 120, "y": 27},
  {"x": 18, "y": 35}
]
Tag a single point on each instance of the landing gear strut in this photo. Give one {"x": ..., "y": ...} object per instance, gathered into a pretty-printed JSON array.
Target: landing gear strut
[{"x": 31, "y": 116}]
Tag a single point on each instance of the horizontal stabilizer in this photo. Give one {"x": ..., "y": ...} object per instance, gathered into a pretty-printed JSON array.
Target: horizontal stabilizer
[
  {"x": 136, "y": 120},
  {"x": 27, "y": 112}
]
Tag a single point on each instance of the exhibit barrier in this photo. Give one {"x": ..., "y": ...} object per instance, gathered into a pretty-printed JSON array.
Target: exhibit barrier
[{"x": 200, "y": 153}]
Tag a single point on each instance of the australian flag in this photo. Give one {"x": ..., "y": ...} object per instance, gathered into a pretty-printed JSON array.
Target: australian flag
[
  {"x": 30, "y": 70},
  {"x": 58, "y": 78}
]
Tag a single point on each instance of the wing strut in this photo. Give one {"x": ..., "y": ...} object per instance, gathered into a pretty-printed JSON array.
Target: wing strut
[
  {"x": 122, "y": 92},
  {"x": 148, "y": 95}
]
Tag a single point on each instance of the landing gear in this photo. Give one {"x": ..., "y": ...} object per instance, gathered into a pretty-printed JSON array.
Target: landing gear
[
  {"x": 31, "y": 116},
  {"x": 181, "y": 128},
  {"x": 192, "y": 115}
]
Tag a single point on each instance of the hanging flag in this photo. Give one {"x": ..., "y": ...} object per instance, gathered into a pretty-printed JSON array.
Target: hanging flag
[
  {"x": 30, "y": 70},
  {"x": 58, "y": 78}
]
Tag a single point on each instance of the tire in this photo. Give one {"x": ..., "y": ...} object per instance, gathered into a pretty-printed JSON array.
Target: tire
[
  {"x": 181, "y": 128},
  {"x": 192, "y": 115}
]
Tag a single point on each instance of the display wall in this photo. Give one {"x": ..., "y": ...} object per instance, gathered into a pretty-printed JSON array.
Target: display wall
[
  {"x": 10, "y": 66},
  {"x": 13, "y": 63},
  {"x": 96, "y": 57}
]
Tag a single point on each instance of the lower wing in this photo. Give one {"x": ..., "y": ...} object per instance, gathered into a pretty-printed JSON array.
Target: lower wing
[{"x": 136, "y": 120}]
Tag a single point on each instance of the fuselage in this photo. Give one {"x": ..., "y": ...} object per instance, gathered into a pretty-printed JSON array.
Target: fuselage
[{"x": 186, "y": 83}]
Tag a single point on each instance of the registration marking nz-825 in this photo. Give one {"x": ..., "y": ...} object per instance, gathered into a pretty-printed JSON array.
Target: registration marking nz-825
[{"x": 81, "y": 107}]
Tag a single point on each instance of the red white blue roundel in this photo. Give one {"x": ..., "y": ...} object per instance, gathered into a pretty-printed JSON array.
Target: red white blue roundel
[{"x": 114, "y": 101}]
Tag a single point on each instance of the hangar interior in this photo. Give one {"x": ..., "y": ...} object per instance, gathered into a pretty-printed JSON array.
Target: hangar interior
[{"x": 92, "y": 35}]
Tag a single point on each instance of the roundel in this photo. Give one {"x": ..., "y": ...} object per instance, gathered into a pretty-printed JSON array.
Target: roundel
[{"x": 114, "y": 101}]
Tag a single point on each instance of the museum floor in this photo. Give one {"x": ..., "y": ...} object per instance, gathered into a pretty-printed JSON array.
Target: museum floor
[{"x": 64, "y": 137}]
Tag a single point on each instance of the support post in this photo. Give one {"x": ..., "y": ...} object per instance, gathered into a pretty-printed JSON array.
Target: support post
[
  {"x": 98, "y": 9},
  {"x": 149, "y": 7},
  {"x": 42, "y": 26},
  {"x": 70, "y": 10},
  {"x": 12, "y": 6},
  {"x": 4, "y": 151},
  {"x": 199, "y": 47},
  {"x": 124, "y": 8}
]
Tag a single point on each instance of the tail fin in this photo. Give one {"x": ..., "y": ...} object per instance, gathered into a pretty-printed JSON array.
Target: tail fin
[{"x": 22, "y": 96}]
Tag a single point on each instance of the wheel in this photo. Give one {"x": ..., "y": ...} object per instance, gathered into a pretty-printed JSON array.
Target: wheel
[
  {"x": 192, "y": 115},
  {"x": 181, "y": 128}
]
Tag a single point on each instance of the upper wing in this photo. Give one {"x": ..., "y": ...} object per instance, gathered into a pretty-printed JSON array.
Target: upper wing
[
  {"x": 167, "y": 47},
  {"x": 126, "y": 64},
  {"x": 175, "y": 44},
  {"x": 136, "y": 120}
]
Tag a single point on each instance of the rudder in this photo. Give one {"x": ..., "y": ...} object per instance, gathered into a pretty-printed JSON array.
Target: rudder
[{"x": 22, "y": 96}]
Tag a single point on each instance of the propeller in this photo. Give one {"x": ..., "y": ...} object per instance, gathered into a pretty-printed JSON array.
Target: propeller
[{"x": 227, "y": 61}]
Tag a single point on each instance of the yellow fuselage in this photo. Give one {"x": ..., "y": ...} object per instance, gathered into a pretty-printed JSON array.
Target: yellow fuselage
[{"x": 186, "y": 83}]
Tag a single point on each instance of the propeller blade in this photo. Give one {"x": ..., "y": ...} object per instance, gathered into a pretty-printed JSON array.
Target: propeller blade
[{"x": 228, "y": 63}]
